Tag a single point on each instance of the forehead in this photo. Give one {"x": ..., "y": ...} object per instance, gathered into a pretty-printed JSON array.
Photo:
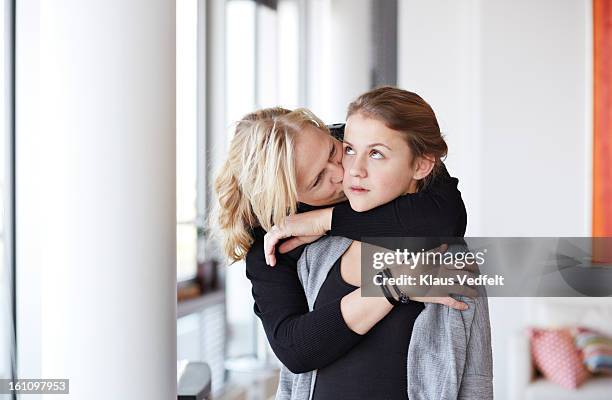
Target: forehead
[
  {"x": 311, "y": 154},
  {"x": 362, "y": 129}
]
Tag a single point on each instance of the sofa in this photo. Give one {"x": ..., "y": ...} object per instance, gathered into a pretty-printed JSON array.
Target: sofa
[{"x": 525, "y": 383}]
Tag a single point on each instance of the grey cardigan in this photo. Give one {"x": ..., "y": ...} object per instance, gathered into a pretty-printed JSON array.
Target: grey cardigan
[{"x": 449, "y": 356}]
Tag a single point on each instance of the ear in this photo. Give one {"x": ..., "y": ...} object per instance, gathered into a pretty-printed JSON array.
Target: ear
[{"x": 423, "y": 167}]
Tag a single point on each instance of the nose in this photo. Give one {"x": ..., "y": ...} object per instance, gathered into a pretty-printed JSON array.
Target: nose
[{"x": 357, "y": 169}]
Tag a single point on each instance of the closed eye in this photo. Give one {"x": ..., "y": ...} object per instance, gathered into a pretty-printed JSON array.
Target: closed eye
[
  {"x": 318, "y": 180},
  {"x": 332, "y": 153}
]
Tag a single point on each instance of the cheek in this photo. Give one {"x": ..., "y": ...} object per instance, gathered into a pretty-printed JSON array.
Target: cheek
[
  {"x": 391, "y": 179},
  {"x": 345, "y": 161},
  {"x": 346, "y": 166},
  {"x": 339, "y": 152}
]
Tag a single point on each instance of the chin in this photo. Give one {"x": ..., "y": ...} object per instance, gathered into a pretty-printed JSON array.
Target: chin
[{"x": 360, "y": 206}]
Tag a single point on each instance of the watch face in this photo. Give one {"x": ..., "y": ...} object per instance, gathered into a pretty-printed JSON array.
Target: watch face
[{"x": 337, "y": 130}]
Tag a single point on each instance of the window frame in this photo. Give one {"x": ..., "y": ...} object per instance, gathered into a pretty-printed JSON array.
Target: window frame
[{"x": 8, "y": 234}]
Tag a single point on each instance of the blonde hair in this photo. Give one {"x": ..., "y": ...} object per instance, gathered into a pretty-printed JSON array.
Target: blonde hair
[{"x": 256, "y": 185}]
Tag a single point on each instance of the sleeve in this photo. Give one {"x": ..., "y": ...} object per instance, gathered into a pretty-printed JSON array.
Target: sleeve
[
  {"x": 477, "y": 379},
  {"x": 438, "y": 210},
  {"x": 302, "y": 340}
]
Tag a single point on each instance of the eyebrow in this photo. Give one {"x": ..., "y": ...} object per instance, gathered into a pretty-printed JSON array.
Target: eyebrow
[
  {"x": 314, "y": 180},
  {"x": 371, "y": 145}
]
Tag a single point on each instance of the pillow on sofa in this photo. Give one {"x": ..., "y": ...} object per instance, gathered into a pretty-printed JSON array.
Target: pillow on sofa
[
  {"x": 557, "y": 358},
  {"x": 596, "y": 349}
]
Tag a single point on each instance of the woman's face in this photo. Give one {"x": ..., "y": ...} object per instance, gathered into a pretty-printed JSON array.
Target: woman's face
[
  {"x": 377, "y": 163},
  {"x": 318, "y": 163}
]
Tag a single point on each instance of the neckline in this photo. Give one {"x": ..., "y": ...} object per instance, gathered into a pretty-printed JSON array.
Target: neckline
[{"x": 338, "y": 275}]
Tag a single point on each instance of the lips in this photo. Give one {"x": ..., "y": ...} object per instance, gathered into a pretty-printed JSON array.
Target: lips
[{"x": 358, "y": 189}]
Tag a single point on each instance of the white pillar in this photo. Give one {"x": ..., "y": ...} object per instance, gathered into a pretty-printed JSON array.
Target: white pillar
[
  {"x": 339, "y": 55},
  {"x": 96, "y": 244}
]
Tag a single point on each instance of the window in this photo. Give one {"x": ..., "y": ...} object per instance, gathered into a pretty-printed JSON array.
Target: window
[
  {"x": 240, "y": 53},
  {"x": 262, "y": 70},
  {"x": 200, "y": 329},
  {"x": 240, "y": 99},
  {"x": 188, "y": 216},
  {"x": 7, "y": 343},
  {"x": 289, "y": 48}
]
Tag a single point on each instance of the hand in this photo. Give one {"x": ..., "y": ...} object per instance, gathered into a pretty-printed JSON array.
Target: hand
[
  {"x": 297, "y": 241},
  {"x": 304, "y": 228},
  {"x": 446, "y": 301},
  {"x": 431, "y": 293}
]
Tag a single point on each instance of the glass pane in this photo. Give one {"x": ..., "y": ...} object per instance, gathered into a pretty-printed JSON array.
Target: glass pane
[
  {"x": 6, "y": 323},
  {"x": 186, "y": 136},
  {"x": 240, "y": 97},
  {"x": 288, "y": 53},
  {"x": 7, "y": 352},
  {"x": 267, "y": 55},
  {"x": 240, "y": 56},
  {"x": 186, "y": 245},
  {"x": 188, "y": 338},
  {"x": 186, "y": 109}
]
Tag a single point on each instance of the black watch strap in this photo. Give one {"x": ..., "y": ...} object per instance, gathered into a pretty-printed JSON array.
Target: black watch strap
[
  {"x": 386, "y": 290},
  {"x": 402, "y": 297}
]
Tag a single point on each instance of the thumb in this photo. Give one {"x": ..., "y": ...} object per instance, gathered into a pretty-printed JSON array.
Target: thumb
[
  {"x": 457, "y": 305},
  {"x": 289, "y": 245},
  {"x": 441, "y": 249},
  {"x": 297, "y": 241}
]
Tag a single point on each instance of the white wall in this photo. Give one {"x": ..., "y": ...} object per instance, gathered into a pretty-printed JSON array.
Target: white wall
[{"x": 510, "y": 83}]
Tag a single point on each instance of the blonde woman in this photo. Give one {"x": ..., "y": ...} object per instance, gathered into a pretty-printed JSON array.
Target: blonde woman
[{"x": 281, "y": 162}]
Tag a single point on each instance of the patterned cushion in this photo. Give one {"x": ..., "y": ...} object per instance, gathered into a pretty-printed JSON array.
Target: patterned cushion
[
  {"x": 557, "y": 358},
  {"x": 596, "y": 349}
]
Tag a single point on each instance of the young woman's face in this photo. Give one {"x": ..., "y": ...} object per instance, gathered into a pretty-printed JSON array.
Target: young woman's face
[
  {"x": 318, "y": 162},
  {"x": 377, "y": 163}
]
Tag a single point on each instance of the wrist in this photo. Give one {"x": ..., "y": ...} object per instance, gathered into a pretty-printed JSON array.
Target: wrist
[
  {"x": 326, "y": 219},
  {"x": 400, "y": 296},
  {"x": 387, "y": 291}
]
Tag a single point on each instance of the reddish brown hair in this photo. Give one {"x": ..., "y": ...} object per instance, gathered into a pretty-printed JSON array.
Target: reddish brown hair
[{"x": 409, "y": 114}]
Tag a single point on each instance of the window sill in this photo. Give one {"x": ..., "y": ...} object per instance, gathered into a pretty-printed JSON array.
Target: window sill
[{"x": 200, "y": 303}]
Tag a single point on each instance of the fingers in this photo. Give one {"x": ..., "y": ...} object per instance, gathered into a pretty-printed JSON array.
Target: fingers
[
  {"x": 298, "y": 241},
  {"x": 269, "y": 250},
  {"x": 290, "y": 244},
  {"x": 276, "y": 234},
  {"x": 441, "y": 249},
  {"x": 446, "y": 301},
  {"x": 456, "y": 304},
  {"x": 269, "y": 253},
  {"x": 270, "y": 241},
  {"x": 271, "y": 260}
]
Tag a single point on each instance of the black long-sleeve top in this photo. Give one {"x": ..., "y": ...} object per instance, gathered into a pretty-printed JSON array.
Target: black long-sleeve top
[
  {"x": 375, "y": 368},
  {"x": 303, "y": 340}
]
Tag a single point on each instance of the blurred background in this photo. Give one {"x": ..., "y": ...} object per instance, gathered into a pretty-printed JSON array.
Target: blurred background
[{"x": 521, "y": 89}]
